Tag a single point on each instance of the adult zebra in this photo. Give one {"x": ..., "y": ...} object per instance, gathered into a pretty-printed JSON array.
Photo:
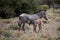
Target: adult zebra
[{"x": 24, "y": 18}]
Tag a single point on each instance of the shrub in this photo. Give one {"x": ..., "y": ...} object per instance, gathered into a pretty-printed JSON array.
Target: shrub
[
  {"x": 6, "y": 33},
  {"x": 25, "y": 7},
  {"x": 57, "y": 19},
  {"x": 12, "y": 8},
  {"x": 5, "y": 38},
  {"x": 44, "y": 7},
  {"x": 7, "y": 13},
  {"x": 16, "y": 7},
  {"x": 13, "y": 27}
]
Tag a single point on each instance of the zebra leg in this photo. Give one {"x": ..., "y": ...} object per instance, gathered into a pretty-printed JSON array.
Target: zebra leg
[
  {"x": 23, "y": 27},
  {"x": 19, "y": 24}
]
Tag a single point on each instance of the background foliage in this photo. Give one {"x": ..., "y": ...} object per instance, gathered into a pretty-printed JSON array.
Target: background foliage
[{"x": 13, "y": 8}]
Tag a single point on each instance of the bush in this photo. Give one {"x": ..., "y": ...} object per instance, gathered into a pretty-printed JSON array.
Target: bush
[
  {"x": 5, "y": 38},
  {"x": 5, "y": 33},
  {"x": 25, "y": 7},
  {"x": 44, "y": 7},
  {"x": 57, "y": 19},
  {"x": 16, "y": 7},
  {"x": 13, "y": 27},
  {"x": 12, "y": 8},
  {"x": 7, "y": 13}
]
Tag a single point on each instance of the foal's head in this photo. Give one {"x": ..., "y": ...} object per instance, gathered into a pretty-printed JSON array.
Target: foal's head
[{"x": 38, "y": 21}]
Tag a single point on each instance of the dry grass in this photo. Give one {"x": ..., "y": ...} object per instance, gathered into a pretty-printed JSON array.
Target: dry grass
[
  {"x": 57, "y": 19},
  {"x": 58, "y": 28},
  {"x": 10, "y": 31}
]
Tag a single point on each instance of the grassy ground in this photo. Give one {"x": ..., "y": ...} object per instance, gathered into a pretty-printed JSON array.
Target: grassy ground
[{"x": 50, "y": 30}]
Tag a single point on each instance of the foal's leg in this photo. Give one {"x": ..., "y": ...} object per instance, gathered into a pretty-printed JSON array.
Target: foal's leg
[
  {"x": 40, "y": 28},
  {"x": 34, "y": 28}
]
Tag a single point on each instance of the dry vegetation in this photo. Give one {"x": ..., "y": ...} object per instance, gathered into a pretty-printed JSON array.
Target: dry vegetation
[{"x": 50, "y": 30}]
